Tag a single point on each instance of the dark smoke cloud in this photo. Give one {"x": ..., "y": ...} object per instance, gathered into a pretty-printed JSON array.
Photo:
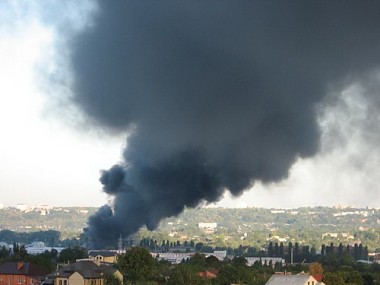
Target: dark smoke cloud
[{"x": 215, "y": 94}]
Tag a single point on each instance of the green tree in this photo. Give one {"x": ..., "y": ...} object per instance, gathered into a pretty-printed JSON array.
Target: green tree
[
  {"x": 276, "y": 249},
  {"x": 161, "y": 271},
  {"x": 19, "y": 252},
  {"x": 333, "y": 278},
  {"x": 198, "y": 261},
  {"x": 227, "y": 275},
  {"x": 368, "y": 279},
  {"x": 235, "y": 274},
  {"x": 136, "y": 264},
  {"x": 185, "y": 274},
  {"x": 270, "y": 249},
  {"x": 45, "y": 259},
  {"x": 347, "y": 260},
  {"x": 71, "y": 254},
  {"x": 212, "y": 262},
  {"x": 313, "y": 250},
  {"x": 239, "y": 261},
  {"x": 352, "y": 277},
  {"x": 281, "y": 249},
  {"x": 199, "y": 246},
  {"x": 4, "y": 253},
  {"x": 340, "y": 250},
  {"x": 112, "y": 280}
]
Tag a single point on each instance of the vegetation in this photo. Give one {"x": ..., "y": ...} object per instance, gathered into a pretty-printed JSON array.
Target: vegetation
[
  {"x": 71, "y": 254},
  {"x": 139, "y": 267},
  {"x": 236, "y": 271},
  {"x": 254, "y": 227},
  {"x": 112, "y": 280},
  {"x": 136, "y": 264},
  {"x": 329, "y": 240},
  {"x": 68, "y": 221},
  {"x": 47, "y": 259}
]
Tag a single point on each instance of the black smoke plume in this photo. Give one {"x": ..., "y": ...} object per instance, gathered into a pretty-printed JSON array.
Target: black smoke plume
[{"x": 215, "y": 94}]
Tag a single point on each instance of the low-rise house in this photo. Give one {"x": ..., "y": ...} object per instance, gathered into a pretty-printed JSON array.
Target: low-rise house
[
  {"x": 207, "y": 275},
  {"x": 22, "y": 273},
  {"x": 302, "y": 279},
  {"x": 84, "y": 272}
]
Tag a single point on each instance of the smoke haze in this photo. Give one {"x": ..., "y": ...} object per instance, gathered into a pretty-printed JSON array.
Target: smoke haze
[{"x": 214, "y": 95}]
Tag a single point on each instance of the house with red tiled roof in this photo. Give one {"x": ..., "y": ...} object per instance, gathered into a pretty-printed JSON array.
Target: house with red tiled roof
[
  {"x": 207, "y": 275},
  {"x": 318, "y": 277},
  {"x": 22, "y": 273}
]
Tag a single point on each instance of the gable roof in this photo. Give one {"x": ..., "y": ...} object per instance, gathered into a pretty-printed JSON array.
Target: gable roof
[
  {"x": 290, "y": 279},
  {"x": 86, "y": 268},
  {"x": 23, "y": 268},
  {"x": 206, "y": 274}
]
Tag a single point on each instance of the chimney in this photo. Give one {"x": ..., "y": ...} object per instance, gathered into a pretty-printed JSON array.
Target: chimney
[{"x": 20, "y": 264}]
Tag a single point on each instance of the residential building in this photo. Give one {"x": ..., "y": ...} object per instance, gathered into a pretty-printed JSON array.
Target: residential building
[
  {"x": 207, "y": 275},
  {"x": 22, "y": 273},
  {"x": 84, "y": 272},
  {"x": 303, "y": 279}
]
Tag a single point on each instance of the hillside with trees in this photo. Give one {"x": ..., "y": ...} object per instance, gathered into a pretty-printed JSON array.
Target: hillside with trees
[{"x": 255, "y": 227}]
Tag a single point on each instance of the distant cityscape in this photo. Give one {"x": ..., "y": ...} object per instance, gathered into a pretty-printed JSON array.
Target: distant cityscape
[{"x": 266, "y": 238}]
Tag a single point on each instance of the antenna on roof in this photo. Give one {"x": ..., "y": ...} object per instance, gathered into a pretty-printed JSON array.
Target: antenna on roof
[{"x": 120, "y": 245}]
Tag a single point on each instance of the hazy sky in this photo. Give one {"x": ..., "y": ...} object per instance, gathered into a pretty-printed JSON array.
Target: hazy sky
[{"x": 49, "y": 154}]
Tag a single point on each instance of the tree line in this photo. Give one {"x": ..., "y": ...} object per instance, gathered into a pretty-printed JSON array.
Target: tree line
[
  {"x": 292, "y": 253},
  {"x": 138, "y": 265},
  {"x": 48, "y": 259}
]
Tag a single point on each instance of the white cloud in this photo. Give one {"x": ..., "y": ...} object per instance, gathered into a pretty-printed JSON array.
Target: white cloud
[{"x": 43, "y": 160}]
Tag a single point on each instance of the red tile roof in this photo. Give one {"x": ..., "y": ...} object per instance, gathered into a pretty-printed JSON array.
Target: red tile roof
[
  {"x": 318, "y": 277},
  {"x": 206, "y": 274}
]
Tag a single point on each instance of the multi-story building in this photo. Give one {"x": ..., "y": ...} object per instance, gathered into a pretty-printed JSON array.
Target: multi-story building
[
  {"x": 84, "y": 272},
  {"x": 21, "y": 273}
]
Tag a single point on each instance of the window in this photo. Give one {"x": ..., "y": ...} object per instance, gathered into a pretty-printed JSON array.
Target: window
[
  {"x": 60, "y": 281},
  {"x": 64, "y": 282},
  {"x": 19, "y": 280}
]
